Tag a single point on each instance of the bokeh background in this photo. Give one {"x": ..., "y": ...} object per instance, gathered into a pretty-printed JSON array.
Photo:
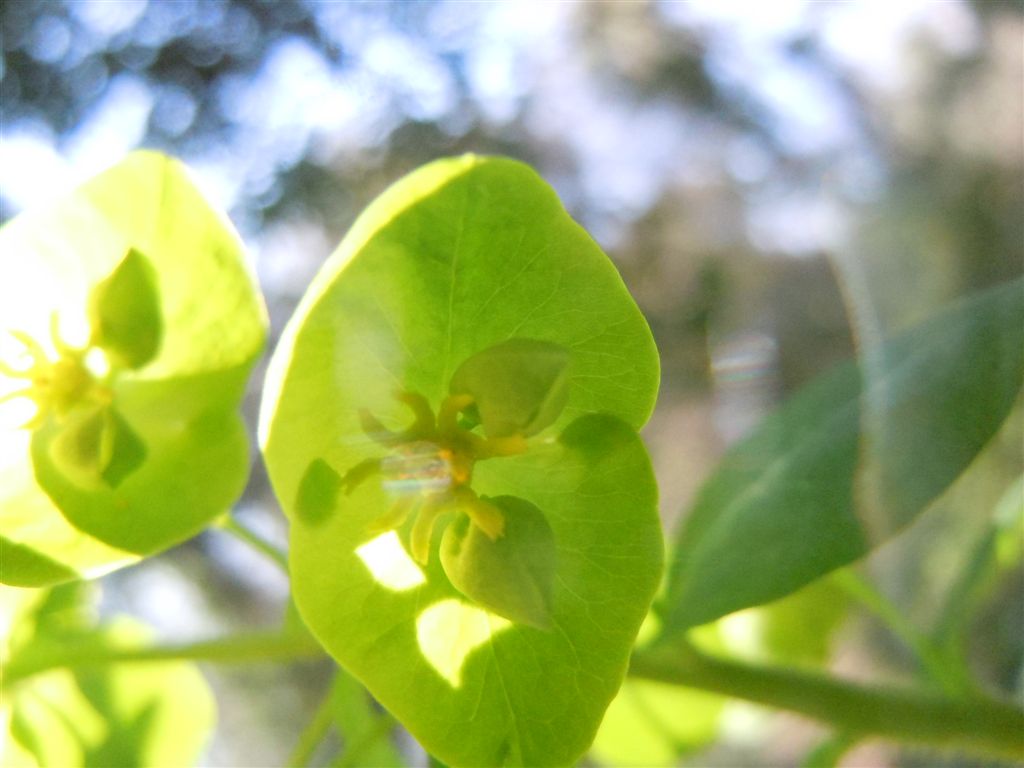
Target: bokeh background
[{"x": 743, "y": 163}]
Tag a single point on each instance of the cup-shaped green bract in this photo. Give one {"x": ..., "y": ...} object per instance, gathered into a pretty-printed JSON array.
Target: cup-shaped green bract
[
  {"x": 470, "y": 358},
  {"x": 129, "y": 323}
]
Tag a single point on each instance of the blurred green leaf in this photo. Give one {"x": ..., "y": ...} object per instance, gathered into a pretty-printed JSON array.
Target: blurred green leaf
[
  {"x": 158, "y": 713},
  {"x": 147, "y": 454},
  {"x": 24, "y": 567},
  {"x": 787, "y": 504},
  {"x": 798, "y": 629},
  {"x": 135, "y": 714},
  {"x": 651, "y": 724},
  {"x": 458, "y": 258}
]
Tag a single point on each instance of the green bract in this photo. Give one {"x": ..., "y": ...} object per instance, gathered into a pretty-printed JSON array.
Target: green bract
[
  {"x": 129, "y": 320},
  {"x": 518, "y": 386},
  {"x": 794, "y": 500},
  {"x": 512, "y": 576},
  {"x": 450, "y": 423},
  {"x": 124, "y": 312}
]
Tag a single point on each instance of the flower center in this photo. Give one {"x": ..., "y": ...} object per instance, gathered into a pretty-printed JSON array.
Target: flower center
[
  {"x": 55, "y": 385},
  {"x": 429, "y": 469}
]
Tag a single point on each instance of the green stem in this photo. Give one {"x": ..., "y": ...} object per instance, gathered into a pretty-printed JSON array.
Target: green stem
[
  {"x": 314, "y": 732},
  {"x": 243, "y": 648},
  {"x": 927, "y": 655},
  {"x": 829, "y": 752},
  {"x": 858, "y": 710},
  {"x": 230, "y": 525},
  {"x": 964, "y": 594},
  {"x": 353, "y": 753}
]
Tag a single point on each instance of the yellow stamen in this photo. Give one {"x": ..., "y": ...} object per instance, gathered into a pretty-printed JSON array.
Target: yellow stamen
[
  {"x": 394, "y": 517},
  {"x": 486, "y": 516}
]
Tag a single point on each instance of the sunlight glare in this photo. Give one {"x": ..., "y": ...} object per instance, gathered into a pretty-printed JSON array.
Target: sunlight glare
[
  {"x": 390, "y": 564},
  {"x": 450, "y": 630}
]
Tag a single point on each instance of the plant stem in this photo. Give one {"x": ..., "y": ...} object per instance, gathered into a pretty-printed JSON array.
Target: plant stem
[
  {"x": 353, "y": 752},
  {"x": 927, "y": 655},
  {"x": 243, "y": 648},
  {"x": 829, "y": 752},
  {"x": 230, "y": 525},
  {"x": 964, "y": 595},
  {"x": 314, "y": 732},
  {"x": 858, "y": 710}
]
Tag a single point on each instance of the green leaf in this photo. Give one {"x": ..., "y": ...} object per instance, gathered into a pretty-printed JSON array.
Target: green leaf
[
  {"x": 519, "y": 386},
  {"x": 124, "y": 312},
  {"x": 788, "y": 505},
  {"x": 513, "y": 576},
  {"x": 456, "y": 259},
  {"x": 79, "y": 492}
]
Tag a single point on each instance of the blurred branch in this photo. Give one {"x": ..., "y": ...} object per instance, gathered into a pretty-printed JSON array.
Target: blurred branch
[
  {"x": 829, "y": 752},
  {"x": 952, "y": 680},
  {"x": 314, "y": 732},
  {"x": 230, "y": 525},
  {"x": 978, "y": 723},
  {"x": 354, "y": 752},
  {"x": 291, "y": 645}
]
